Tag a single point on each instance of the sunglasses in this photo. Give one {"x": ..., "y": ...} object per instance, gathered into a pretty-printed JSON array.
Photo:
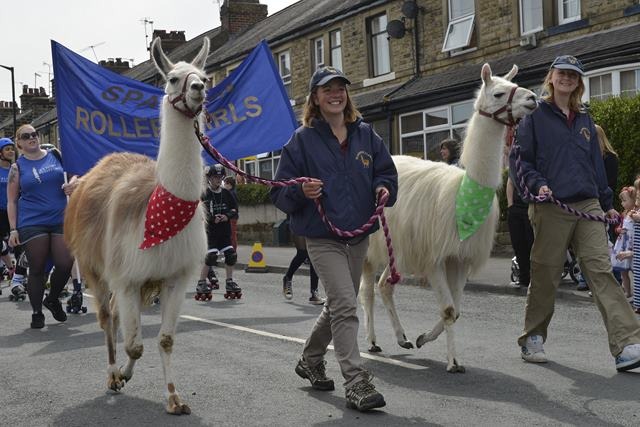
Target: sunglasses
[{"x": 28, "y": 135}]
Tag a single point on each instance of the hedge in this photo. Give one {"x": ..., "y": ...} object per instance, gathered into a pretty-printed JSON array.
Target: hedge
[{"x": 253, "y": 194}]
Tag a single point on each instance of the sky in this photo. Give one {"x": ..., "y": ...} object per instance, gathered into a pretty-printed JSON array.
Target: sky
[{"x": 111, "y": 29}]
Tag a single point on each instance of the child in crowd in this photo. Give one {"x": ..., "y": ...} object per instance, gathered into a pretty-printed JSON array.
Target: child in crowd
[{"x": 623, "y": 248}]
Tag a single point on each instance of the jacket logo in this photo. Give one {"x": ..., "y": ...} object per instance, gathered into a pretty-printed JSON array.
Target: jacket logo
[
  {"x": 586, "y": 134},
  {"x": 364, "y": 157}
]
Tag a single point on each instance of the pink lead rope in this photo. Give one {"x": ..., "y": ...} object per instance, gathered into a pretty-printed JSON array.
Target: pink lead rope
[{"x": 394, "y": 276}]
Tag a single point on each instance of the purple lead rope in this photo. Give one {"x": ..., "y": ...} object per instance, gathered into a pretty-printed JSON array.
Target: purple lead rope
[
  {"x": 549, "y": 198},
  {"x": 394, "y": 276}
]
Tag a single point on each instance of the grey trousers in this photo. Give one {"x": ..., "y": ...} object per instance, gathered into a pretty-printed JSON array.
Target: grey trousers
[{"x": 339, "y": 267}]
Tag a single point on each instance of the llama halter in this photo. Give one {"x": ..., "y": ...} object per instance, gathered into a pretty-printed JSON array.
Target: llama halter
[
  {"x": 167, "y": 215},
  {"x": 549, "y": 198},
  {"x": 394, "y": 276},
  {"x": 473, "y": 204},
  {"x": 507, "y": 107},
  {"x": 182, "y": 97}
]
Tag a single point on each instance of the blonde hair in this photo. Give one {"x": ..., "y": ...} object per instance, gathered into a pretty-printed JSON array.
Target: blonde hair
[
  {"x": 605, "y": 145},
  {"x": 312, "y": 111},
  {"x": 19, "y": 132},
  {"x": 636, "y": 184},
  {"x": 575, "y": 100},
  {"x": 631, "y": 193}
]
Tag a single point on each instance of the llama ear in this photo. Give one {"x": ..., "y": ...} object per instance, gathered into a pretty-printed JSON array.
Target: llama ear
[
  {"x": 486, "y": 74},
  {"x": 511, "y": 74},
  {"x": 201, "y": 58},
  {"x": 163, "y": 63}
]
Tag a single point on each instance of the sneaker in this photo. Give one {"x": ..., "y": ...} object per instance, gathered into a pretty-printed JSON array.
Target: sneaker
[
  {"x": 582, "y": 286},
  {"x": 315, "y": 299},
  {"x": 286, "y": 288},
  {"x": 37, "y": 321},
  {"x": 55, "y": 307},
  {"x": 315, "y": 374},
  {"x": 532, "y": 351},
  {"x": 364, "y": 396},
  {"x": 629, "y": 358}
]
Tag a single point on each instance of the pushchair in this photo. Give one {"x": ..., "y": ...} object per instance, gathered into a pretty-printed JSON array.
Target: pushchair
[{"x": 571, "y": 268}]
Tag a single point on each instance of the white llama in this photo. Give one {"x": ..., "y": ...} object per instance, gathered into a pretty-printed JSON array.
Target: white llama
[
  {"x": 105, "y": 226},
  {"x": 423, "y": 220}
]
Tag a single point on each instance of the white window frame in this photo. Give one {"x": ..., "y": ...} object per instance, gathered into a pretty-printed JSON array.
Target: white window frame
[
  {"x": 459, "y": 22},
  {"x": 286, "y": 78},
  {"x": 336, "y": 49},
  {"x": 433, "y": 129},
  {"x": 563, "y": 19},
  {"x": 273, "y": 157},
  {"x": 382, "y": 35},
  {"x": 532, "y": 10},
  {"x": 318, "y": 53},
  {"x": 615, "y": 78}
]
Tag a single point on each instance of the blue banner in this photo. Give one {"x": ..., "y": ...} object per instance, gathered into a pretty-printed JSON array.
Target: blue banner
[{"x": 101, "y": 112}]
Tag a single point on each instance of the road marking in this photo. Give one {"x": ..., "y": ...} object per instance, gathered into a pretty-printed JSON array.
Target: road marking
[{"x": 301, "y": 341}]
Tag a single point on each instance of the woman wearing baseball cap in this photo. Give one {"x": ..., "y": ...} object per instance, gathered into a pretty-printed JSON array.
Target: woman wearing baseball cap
[
  {"x": 560, "y": 155},
  {"x": 351, "y": 167}
]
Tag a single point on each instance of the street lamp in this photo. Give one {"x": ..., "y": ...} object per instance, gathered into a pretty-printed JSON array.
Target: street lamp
[
  {"x": 49, "y": 66},
  {"x": 13, "y": 95}
]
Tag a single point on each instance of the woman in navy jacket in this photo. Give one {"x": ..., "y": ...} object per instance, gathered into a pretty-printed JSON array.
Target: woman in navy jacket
[
  {"x": 351, "y": 167},
  {"x": 560, "y": 155}
]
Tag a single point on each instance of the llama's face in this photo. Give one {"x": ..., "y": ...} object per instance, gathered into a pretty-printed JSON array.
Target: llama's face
[
  {"x": 186, "y": 79},
  {"x": 495, "y": 91}
]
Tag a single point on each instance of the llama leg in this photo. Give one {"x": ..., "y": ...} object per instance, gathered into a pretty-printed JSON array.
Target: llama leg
[
  {"x": 367, "y": 299},
  {"x": 431, "y": 335},
  {"x": 129, "y": 305},
  {"x": 386, "y": 292},
  {"x": 456, "y": 278},
  {"x": 171, "y": 297}
]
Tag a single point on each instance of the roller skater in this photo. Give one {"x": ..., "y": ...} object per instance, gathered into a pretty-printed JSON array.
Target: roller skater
[
  {"x": 74, "y": 304},
  {"x": 220, "y": 207},
  {"x": 232, "y": 289}
]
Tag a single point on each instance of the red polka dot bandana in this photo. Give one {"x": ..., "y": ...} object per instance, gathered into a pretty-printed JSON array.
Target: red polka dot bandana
[{"x": 166, "y": 216}]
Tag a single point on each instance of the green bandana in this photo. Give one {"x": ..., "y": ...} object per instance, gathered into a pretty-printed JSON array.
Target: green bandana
[{"x": 473, "y": 204}]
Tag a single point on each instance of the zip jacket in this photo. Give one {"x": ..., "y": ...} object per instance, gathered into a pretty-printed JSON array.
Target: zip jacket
[
  {"x": 350, "y": 176},
  {"x": 565, "y": 157}
]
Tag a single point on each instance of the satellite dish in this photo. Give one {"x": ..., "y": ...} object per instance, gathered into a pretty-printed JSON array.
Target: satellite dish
[
  {"x": 396, "y": 29},
  {"x": 410, "y": 9}
]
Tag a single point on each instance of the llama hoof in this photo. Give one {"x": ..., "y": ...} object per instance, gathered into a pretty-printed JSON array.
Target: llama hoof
[
  {"x": 374, "y": 348},
  {"x": 115, "y": 384},
  {"x": 455, "y": 368},
  {"x": 406, "y": 344},
  {"x": 422, "y": 340},
  {"x": 175, "y": 406}
]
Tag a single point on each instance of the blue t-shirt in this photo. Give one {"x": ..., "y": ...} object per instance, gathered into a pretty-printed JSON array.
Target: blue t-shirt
[
  {"x": 4, "y": 178},
  {"x": 41, "y": 201}
]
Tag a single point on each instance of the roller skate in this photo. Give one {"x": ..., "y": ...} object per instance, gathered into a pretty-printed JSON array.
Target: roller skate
[
  {"x": 6, "y": 273},
  {"x": 74, "y": 304},
  {"x": 203, "y": 291},
  {"x": 233, "y": 291},
  {"x": 18, "y": 293},
  {"x": 213, "y": 279}
]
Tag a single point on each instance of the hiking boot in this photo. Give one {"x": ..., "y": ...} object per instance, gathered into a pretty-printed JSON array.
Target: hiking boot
[
  {"x": 315, "y": 374},
  {"x": 315, "y": 299},
  {"x": 629, "y": 358},
  {"x": 37, "y": 321},
  {"x": 55, "y": 307},
  {"x": 287, "y": 290},
  {"x": 364, "y": 396},
  {"x": 532, "y": 350}
]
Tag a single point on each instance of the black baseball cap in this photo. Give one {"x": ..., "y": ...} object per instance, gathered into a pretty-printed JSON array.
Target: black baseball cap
[
  {"x": 324, "y": 75},
  {"x": 568, "y": 62}
]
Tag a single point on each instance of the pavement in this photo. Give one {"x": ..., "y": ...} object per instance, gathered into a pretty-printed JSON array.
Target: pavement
[{"x": 494, "y": 277}]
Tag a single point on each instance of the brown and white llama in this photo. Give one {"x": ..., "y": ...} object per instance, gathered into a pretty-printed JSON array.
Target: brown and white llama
[
  {"x": 423, "y": 220},
  {"x": 105, "y": 226}
]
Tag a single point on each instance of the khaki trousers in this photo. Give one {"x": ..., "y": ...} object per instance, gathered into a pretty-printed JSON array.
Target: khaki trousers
[
  {"x": 339, "y": 267},
  {"x": 554, "y": 231}
]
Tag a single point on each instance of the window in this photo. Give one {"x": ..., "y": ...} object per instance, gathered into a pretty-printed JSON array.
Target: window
[
  {"x": 381, "y": 61},
  {"x": 568, "y": 11},
  {"x": 422, "y": 132},
  {"x": 460, "y": 28},
  {"x": 263, "y": 165},
  {"x": 335, "y": 42},
  {"x": 530, "y": 16},
  {"x": 284, "y": 67},
  {"x": 318, "y": 53},
  {"x": 629, "y": 83},
  {"x": 600, "y": 87}
]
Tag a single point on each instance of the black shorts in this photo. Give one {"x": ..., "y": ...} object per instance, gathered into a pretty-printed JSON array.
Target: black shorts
[
  {"x": 4, "y": 225},
  {"x": 220, "y": 242}
]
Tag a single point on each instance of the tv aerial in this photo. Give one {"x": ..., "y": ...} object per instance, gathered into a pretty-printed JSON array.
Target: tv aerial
[
  {"x": 147, "y": 21},
  {"x": 92, "y": 47}
]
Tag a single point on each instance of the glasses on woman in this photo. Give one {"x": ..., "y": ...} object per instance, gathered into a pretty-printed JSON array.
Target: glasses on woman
[{"x": 28, "y": 135}]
